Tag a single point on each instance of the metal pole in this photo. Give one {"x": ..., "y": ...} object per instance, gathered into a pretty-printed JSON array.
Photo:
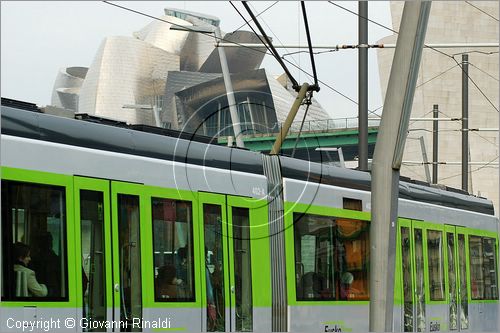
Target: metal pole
[
  {"x": 465, "y": 122},
  {"x": 289, "y": 119},
  {"x": 387, "y": 162},
  {"x": 156, "y": 113},
  {"x": 425, "y": 159},
  {"x": 435, "y": 146},
  {"x": 235, "y": 119},
  {"x": 363, "y": 86}
]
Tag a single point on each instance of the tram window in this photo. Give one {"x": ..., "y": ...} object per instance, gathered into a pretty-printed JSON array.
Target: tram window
[
  {"x": 483, "y": 270},
  {"x": 33, "y": 242},
  {"x": 436, "y": 264},
  {"x": 331, "y": 257},
  {"x": 173, "y": 250},
  {"x": 352, "y": 204}
]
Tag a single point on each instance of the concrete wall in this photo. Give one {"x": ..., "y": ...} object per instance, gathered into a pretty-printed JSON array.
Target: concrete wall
[{"x": 454, "y": 22}]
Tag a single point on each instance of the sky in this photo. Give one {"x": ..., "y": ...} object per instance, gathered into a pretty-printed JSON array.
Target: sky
[{"x": 40, "y": 37}]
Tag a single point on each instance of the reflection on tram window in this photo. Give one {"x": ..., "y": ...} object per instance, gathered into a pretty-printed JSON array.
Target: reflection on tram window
[
  {"x": 436, "y": 264},
  {"x": 419, "y": 273},
  {"x": 93, "y": 254},
  {"x": 406, "y": 264},
  {"x": 452, "y": 278},
  {"x": 242, "y": 269},
  {"x": 483, "y": 270},
  {"x": 214, "y": 267},
  {"x": 33, "y": 242},
  {"x": 331, "y": 258},
  {"x": 464, "y": 300},
  {"x": 173, "y": 250}
]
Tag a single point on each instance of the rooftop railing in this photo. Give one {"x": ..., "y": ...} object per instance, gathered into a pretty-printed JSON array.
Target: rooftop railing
[{"x": 311, "y": 126}]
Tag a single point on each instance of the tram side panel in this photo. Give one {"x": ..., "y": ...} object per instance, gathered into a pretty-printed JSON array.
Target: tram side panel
[
  {"x": 163, "y": 183},
  {"x": 442, "y": 279},
  {"x": 327, "y": 247},
  {"x": 38, "y": 278}
]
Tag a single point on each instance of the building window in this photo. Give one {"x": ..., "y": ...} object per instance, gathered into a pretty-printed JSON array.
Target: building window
[
  {"x": 173, "y": 250},
  {"x": 33, "y": 242},
  {"x": 331, "y": 258}
]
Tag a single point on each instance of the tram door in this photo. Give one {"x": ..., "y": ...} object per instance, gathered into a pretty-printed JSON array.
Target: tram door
[
  {"x": 458, "y": 306},
  {"x": 227, "y": 302},
  {"x": 107, "y": 222},
  {"x": 412, "y": 256}
]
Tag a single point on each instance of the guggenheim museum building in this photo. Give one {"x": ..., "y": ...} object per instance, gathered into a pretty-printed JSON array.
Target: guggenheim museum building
[{"x": 171, "y": 78}]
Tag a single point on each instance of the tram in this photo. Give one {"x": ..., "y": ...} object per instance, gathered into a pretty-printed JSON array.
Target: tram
[{"x": 109, "y": 228}]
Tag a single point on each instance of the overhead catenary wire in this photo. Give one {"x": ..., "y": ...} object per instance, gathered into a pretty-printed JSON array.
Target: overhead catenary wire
[
  {"x": 475, "y": 84},
  {"x": 484, "y": 72},
  {"x": 278, "y": 39},
  {"x": 488, "y": 164},
  {"x": 474, "y": 132},
  {"x": 420, "y": 85},
  {"x": 262, "y": 12},
  {"x": 432, "y": 48},
  {"x": 275, "y": 53},
  {"x": 248, "y": 24},
  {"x": 309, "y": 43},
  {"x": 482, "y": 11}
]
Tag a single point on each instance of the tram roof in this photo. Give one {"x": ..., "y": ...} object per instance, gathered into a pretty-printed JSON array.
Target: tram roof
[{"x": 172, "y": 145}]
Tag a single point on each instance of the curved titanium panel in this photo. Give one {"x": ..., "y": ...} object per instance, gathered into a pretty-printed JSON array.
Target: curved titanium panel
[
  {"x": 67, "y": 87},
  {"x": 126, "y": 71}
]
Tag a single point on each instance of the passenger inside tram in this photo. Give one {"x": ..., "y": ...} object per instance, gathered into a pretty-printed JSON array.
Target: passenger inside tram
[
  {"x": 166, "y": 282},
  {"x": 46, "y": 263},
  {"x": 26, "y": 282}
]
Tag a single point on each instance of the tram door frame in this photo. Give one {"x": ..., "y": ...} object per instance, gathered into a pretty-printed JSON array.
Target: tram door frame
[
  {"x": 456, "y": 231},
  {"x": 113, "y": 285},
  {"x": 227, "y": 203},
  {"x": 413, "y": 225}
]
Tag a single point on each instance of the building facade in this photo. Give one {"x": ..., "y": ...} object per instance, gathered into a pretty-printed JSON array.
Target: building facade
[
  {"x": 172, "y": 78},
  {"x": 440, "y": 83}
]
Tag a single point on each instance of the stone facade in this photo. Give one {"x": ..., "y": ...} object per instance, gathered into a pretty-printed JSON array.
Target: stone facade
[{"x": 440, "y": 82}]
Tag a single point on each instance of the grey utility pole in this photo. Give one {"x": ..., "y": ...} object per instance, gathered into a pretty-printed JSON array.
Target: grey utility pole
[
  {"x": 465, "y": 121},
  {"x": 235, "y": 118},
  {"x": 435, "y": 143},
  {"x": 363, "y": 86},
  {"x": 425, "y": 159},
  {"x": 387, "y": 161}
]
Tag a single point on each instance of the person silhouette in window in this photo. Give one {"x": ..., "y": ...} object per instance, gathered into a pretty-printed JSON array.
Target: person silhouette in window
[
  {"x": 47, "y": 264},
  {"x": 24, "y": 275},
  {"x": 181, "y": 268},
  {"x": 166, "y": 282}
]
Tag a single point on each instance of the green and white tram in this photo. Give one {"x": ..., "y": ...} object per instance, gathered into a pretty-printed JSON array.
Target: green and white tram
[{"x": 107, "y": 228}]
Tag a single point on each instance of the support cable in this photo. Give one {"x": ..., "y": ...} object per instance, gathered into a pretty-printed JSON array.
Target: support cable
[
  {"x": 484, "y": 72},
  {"x": 248, "y": 23},
  {"x": 262, "y": 12},
  {"x": 231, "y": 42},
  {"x": 482, "y": 11},
  {"x": 275, "y": 53},
  {"x": 308, "y": 35},
  {"x": 475, "y": 84},
  {"x": 488, "y": 164},
  {"x": 277, "y": 38}
]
